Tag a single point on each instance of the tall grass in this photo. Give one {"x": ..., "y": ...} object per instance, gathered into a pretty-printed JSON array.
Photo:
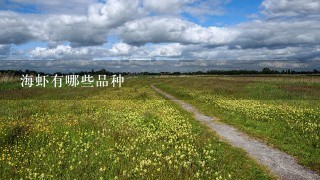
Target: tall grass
[{"x": 8, "y": 78}]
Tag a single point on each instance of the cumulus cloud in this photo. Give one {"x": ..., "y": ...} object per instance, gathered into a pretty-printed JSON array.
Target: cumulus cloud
[
  {"x": 76, "y": 30},
  {"x": 277, "y": 33},
  {"x": 156, "y": 66},
  {"x": 89, "y": 29},
  {"x": 18, "y": 29},
  {"x": 201, "y": 9},
  {"x": 285, "y": 29},
  {"x": 61, "y": 52},
  {"x": 14, "y": 29},
  {"x": 115, "y": 12},
  {"x": 225, "y": 53},
  {"x": 169, "y": 50},
  {"x": 170, "y": 29},
  {"x": 196, "y": 8},
  {"x": 283, "y": 65},
  {"x": 121, "y": 49},
  {"x": 290, "y": 8},
  {"x": 166, "y": 6}
]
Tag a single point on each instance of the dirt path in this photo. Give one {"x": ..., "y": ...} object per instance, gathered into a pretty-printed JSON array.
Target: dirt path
[{"x": 279, "y": 163}]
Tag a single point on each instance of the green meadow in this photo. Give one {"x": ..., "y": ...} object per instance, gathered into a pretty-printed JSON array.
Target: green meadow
[
  {"x": 283, "y": 111},
  {"x": 134, "y": 133}
]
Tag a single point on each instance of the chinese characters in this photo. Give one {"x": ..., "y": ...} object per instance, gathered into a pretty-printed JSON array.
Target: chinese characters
[{"x": 71, "y": 81}]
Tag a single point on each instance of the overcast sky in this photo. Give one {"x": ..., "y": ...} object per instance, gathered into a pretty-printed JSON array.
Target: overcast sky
[{"x": 160, "y": 29}]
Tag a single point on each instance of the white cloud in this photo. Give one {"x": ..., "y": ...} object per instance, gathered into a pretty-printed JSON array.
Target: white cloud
[
  {"x": 61, "y": 52},
  {"x": 114, "y": 12},
  {"x": 284, "y": 53},
  {"x": 283, "y": 65},
  {"x": 169, "y": 50},
  {"x": 168, "y": 29},
  {"x": 196, "y": 8},
  {"x": 206, "y": 8},
  {"x": 121, "y": 49},
  {"x": 277, "y": 33},
  {"x": 14, "y": 29},
  {"x": 166, "y": 6},
  {"x": 19, "y": 29},
  {"x": 80, "y": 30},
  {"x": 289, "y": 8},
  {"x": 289, "y": 29},
  {"x": 75, "y": 29}
]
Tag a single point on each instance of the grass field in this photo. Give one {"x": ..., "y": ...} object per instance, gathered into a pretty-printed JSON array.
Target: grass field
[
  {"x": 282, "y": 111},
  {"x": 112, "y": 133},
  {"x": 134, "y": 133}
]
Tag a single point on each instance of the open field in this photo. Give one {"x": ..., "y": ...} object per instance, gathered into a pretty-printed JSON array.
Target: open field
[
  {"x": 282, "y": 111},
  {"x": 132, "y": 132},
  {"x": 128, "y": 132}
]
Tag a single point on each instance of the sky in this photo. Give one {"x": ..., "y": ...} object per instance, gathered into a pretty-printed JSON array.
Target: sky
[{"x": 203, "y": 30}]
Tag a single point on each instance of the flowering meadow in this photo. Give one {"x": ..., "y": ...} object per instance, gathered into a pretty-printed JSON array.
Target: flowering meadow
[
  {"x": 282, "y": 111},
  {"x": 123, "y": 133}
]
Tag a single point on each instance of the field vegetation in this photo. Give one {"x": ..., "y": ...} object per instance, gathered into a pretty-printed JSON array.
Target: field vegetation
[
  {"x": 283, "y": 111},
  {"x": 111, "y": 133}
]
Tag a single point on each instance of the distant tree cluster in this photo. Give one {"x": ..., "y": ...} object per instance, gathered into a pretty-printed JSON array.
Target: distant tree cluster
[
  {"x": 81, "y": 73},
  {"x": 210, "y": 72},
  {"x": 263, "y": 71}
]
